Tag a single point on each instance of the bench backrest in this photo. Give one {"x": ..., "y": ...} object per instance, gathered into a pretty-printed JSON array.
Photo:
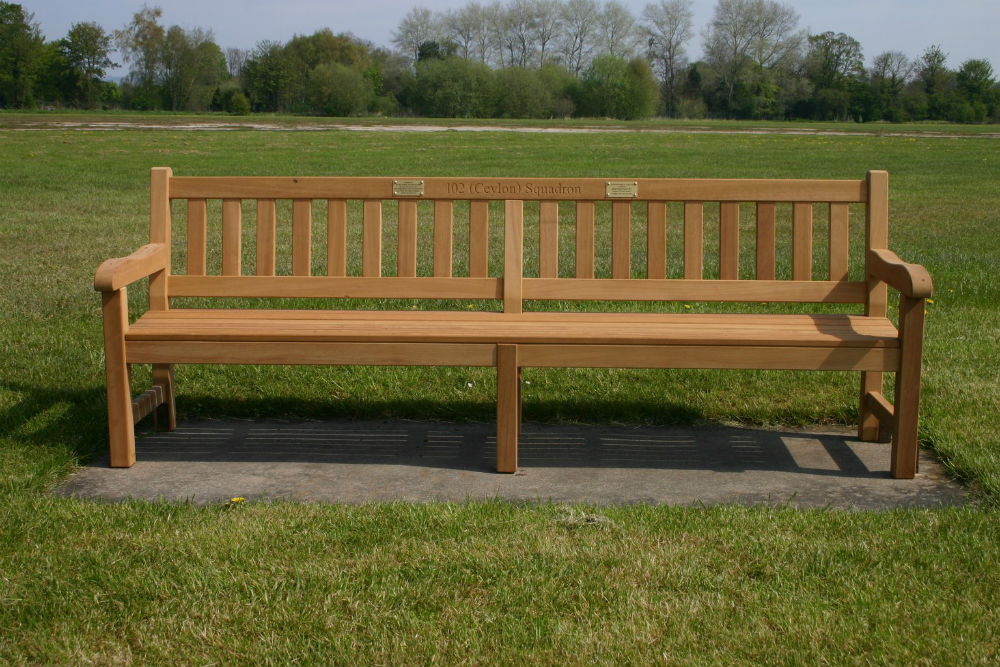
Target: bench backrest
[{"x": 586, "y": 238}]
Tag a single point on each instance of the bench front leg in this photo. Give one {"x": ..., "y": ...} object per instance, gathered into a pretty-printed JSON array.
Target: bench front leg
[
  {"x": 121, "y": 428},
  {"x": 905, "y": 446},
  {"x": 508, "y": 407}
]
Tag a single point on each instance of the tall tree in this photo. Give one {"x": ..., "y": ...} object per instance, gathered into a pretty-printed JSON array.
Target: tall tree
[
  {"x": 890, "y": 72},
  {"x": 936, "y": 80},
  {"x": 268, "y": 76},
  {"x": 617, "y": 29},
  {"x": 21, "y": 51},
  {"x": 87, "y": 49},
  {"x": 141, "y": 46},
  {"x": 579, "y": 20},
  {"x": 668, "y": 27},
  {"x": 834, "y": 64},
  {"x": 547, "y": 25},
  {"x": 235, "y": 60},
  {"x": 463, "y": 27},
  {"x": 192, "y": 66},
  {"x": 975, "y": 80},
  {"x": 417, "y": 27},
  {"x": 746, "y": 37}
]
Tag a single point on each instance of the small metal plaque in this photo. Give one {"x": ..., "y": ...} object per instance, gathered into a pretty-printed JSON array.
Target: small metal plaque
[
  {"x": 621, "y": 189},
  {"x": 403, "y": 188}
]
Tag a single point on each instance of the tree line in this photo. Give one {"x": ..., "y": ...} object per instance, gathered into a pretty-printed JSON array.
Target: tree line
[{"x": 510, "y": 58}]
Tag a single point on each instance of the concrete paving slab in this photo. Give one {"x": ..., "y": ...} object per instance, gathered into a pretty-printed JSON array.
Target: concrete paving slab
[{"x": 356, "y": 462}]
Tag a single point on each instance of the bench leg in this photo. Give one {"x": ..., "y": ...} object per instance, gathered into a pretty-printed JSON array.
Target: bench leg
[
  {"x": 165, "y": 416},
  {"x": 868, "y": 424},
  {"x": 508, "y": 407},
  {"x": 121, "y": 430},
  {"x": 905, "y": 447}
]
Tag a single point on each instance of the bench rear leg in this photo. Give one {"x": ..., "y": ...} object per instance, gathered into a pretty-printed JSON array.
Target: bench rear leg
[
  {"x": 165, "y": 416},
  {"x": 868, "y": 424},
  {"x": 121, "y": 429},
  {"x": 508, "y": 407}
]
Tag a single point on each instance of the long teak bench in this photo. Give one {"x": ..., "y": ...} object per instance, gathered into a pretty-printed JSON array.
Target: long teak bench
[{"x": 779, "y": 219}]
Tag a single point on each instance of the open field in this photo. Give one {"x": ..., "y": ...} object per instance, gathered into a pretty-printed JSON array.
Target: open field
[{"x": 141, "y": 583}]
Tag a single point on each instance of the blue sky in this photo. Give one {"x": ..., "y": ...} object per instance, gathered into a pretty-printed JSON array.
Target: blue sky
[{"x": 964, "y": 28}]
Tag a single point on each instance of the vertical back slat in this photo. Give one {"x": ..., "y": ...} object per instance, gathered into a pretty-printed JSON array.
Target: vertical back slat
[
  {"x": 877, "y": 231},
  {"x": 802, "y": 238},
  {"x": 371, "y": 242},
  {"x": 729, "y": 240},
  {"x": 407, "y": 247},
  {"x": 766, "y": 214},
  {"x": 479, "y": 239},
  {"x": 336, "y": 237},
  {"x": 621, "y": 239},
  {"x": 232, "y": 236},
  {"x": 301, "y": 237},
  {"x": 197, "y": 237},
  {"x": 548, "y": 239},
  {"x": 656, "y": 240},
  {"x": 694, "y": 234},
  {"x": 513, "y": 255},
  {"x": 266, "y": 236},
  {"x": 839, "y": 222},
  {"x": 585, "y": 239},
  {"x": 159, "y": 232},
  {"x": 443, "y": 233}
]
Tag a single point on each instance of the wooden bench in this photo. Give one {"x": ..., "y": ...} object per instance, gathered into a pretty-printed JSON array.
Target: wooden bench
[{"x": 730, "y": 241}]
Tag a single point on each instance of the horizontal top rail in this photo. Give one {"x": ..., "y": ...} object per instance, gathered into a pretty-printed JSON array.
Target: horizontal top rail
[{"x": 535, "y": 189}]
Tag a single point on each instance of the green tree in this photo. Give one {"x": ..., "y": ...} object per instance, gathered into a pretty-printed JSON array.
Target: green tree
[
  {"x": 834, "y": 65},
  {"x": 56, "y": 83},
  {"x": 192, "y": 66},
  {"x": 977, "y": 89},
  {"x": 268, "y": 77},
  {"x": 523, "y": 94},
  {"x": 936, "y": 81},
  {"x": 339, "y": 90},
  {"x": 141, "y": 46},
  {"x": 87, "y": 49},
  {"x": 612, "y": 87},
  {"x": 890, "y": 72},
  {"x": 451, "y": 88},
  {"x": 21, "y": 52}
]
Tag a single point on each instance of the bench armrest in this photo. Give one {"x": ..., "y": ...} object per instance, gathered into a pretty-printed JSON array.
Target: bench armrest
[
  {"x": 116, "y": 273},
  {"x": 910, "y": 280}
]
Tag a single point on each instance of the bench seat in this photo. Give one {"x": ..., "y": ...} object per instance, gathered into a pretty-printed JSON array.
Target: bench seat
[
  {"x": 543, "y": 339},
  {"x": 559, "y": 328}
]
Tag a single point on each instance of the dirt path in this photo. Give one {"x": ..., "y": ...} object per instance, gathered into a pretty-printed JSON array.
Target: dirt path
[{"x": 111, "y": 126}]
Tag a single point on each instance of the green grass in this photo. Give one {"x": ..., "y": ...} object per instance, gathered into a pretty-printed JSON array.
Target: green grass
[{"x": 489, "y": 582}]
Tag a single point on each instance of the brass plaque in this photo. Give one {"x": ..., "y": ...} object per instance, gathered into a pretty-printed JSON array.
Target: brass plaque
[
  {"x": 406, "y": 188},
  {"x": 621, "y": 189}
]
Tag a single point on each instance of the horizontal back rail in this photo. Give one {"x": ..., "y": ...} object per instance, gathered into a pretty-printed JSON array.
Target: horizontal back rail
[
  {"x": 535, "y": 189},
  {"x": 619, "y": 235}
]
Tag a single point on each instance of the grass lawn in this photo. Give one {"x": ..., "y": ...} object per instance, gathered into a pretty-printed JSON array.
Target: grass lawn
[{"x": 481, "y": 583}]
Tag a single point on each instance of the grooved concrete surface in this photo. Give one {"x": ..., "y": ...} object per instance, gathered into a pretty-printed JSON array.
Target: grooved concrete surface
[{"x": 356, "y": 462}]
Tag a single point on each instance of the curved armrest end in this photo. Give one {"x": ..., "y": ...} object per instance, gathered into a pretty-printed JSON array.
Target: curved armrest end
[
  {"x": 911, "y": 280},
  {"x": 118, "y": 272}
]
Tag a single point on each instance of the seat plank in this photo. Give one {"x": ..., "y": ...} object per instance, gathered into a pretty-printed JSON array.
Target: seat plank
[{"x": 528, "y": 328}]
